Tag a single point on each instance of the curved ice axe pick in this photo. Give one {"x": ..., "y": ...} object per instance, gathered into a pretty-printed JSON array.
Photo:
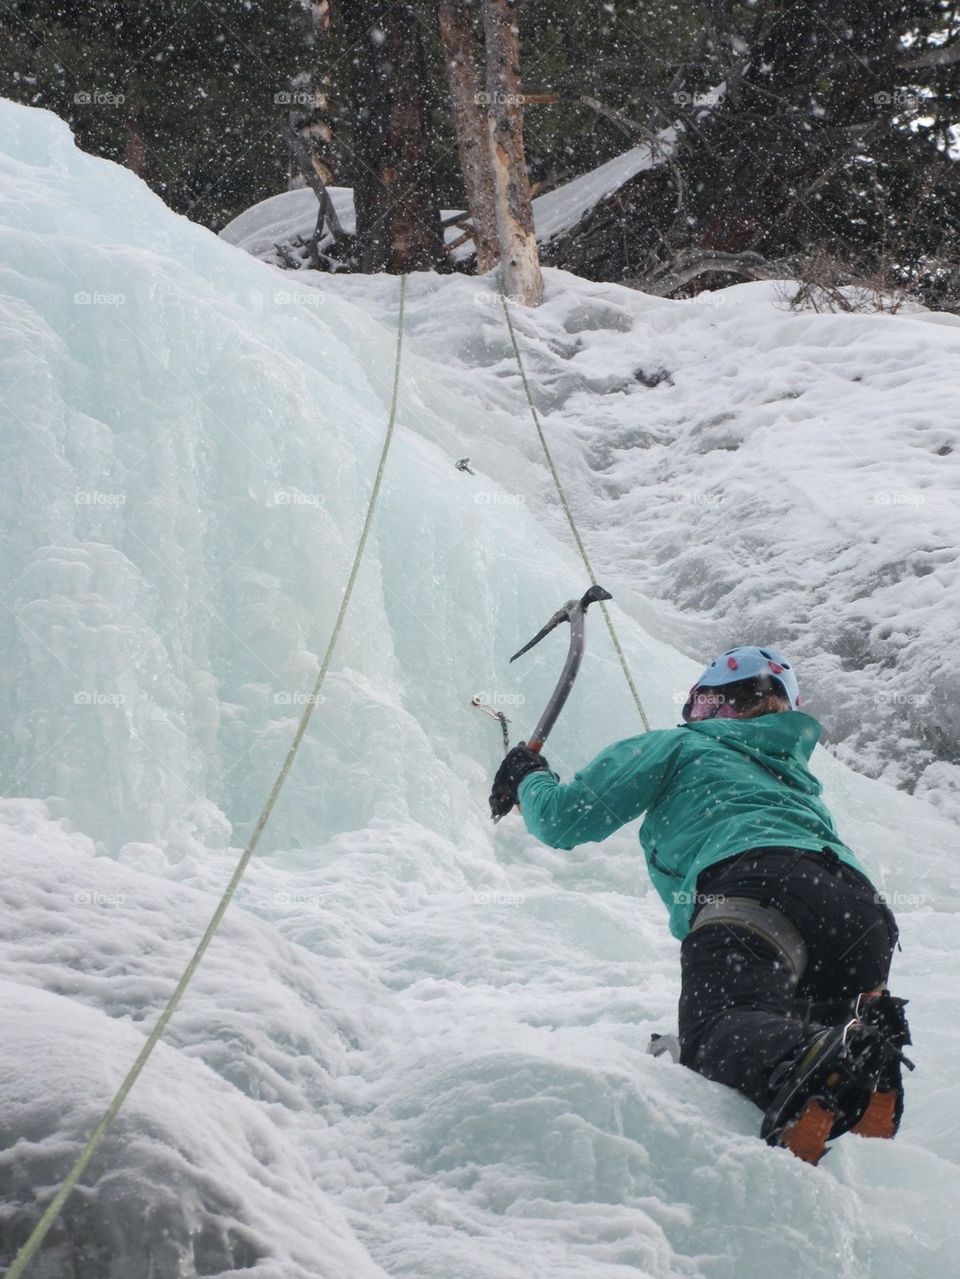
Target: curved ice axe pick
[{"x": 574, "y": 612}]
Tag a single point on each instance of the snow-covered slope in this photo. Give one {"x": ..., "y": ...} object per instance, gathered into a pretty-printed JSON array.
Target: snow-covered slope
[
  {"x": 754, "y": 475},
  {"x": 199, "y": 1174},
  {"x": 762, "y": 473},
  {"x": 415, "y": 1049}
]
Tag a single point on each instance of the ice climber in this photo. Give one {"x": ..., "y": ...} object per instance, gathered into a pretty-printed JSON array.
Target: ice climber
[{"x": 786, "y": 944}]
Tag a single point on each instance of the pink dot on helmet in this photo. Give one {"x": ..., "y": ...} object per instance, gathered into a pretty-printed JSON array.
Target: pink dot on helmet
[
  {"x": 732, "y": 663},
  {"x": 777, "y": 670}
]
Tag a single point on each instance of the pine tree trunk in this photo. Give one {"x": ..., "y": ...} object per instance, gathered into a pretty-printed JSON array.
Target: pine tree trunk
[
  {"x": 518, "y": 245},
  {"x": 134, "y": 147},
  {"x": 312, "y": 113},
  {"x": 466, "y": 84},
  {"x": 398, "y": 215}
]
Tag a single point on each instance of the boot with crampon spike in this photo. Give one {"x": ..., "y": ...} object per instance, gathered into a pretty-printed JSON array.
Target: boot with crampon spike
[
  {"x": 824, "y": 1090},
  {"x": 885, "y": 1107},
  {"x": 846, "y": 1078}
]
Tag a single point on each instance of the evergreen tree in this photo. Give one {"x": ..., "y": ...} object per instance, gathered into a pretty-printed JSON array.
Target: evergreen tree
[
  {"x": 190, "y": 96},
  {"x": 831, "y": 127}
]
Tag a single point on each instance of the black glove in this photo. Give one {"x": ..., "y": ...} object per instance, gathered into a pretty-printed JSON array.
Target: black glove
[{"x": 516, "y": 764}]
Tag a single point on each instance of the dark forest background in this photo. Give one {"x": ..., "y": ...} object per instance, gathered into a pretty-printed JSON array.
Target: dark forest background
[{"x": 822, "y": 132}]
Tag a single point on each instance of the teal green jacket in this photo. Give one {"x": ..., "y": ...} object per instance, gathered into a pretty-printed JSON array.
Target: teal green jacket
[{"x": 710, "y": 790}]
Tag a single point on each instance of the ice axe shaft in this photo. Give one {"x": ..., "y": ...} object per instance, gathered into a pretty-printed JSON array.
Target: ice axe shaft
[{"x": 574, "y": 612}]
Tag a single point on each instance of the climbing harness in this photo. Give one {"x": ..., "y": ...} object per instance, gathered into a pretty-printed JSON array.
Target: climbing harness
[
  {"x": 40, "y": 1230},
  {"x": 767, "y": 923}
]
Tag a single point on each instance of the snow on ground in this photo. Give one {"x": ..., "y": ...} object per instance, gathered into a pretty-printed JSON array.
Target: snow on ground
[
  {"x": 753, "y": 471},
  {"x": 416, "y": 1046},
  {"x": 199, "y": 1174},
  {"x": 747, "y": 474}
]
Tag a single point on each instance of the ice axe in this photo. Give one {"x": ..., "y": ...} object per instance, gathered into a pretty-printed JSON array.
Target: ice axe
[{"x": 574, "y": 612}]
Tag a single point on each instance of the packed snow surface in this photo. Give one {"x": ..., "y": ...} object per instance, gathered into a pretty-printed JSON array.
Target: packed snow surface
[{"x": 416, "y": 1047}]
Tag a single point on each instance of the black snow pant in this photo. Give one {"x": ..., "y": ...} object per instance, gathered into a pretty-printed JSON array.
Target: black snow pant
[{"x": 742, "y": 1008}]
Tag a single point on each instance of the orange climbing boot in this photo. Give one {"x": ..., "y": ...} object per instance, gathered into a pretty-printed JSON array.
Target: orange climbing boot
[
  {"x": 807, "y": 1136},
  {"x": 847, "y": 1078},
  {"x": 823, "y": 1090},
  {"x": 880, "y": 1118},
  {"x": 885, "y": 1108}
]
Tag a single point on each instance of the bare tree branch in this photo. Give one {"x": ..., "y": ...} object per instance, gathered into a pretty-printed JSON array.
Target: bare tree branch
[
  {"x": 689, "y": 264},
  {"x": 301, "y": 157},
  {"x": 945, "y": 56}
]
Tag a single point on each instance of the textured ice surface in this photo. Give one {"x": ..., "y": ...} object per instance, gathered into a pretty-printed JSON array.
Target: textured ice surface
[{"x": 415, "y": 1049}]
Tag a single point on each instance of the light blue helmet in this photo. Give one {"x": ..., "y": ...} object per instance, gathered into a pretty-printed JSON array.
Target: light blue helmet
[{"x": 747, "y": 662}]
